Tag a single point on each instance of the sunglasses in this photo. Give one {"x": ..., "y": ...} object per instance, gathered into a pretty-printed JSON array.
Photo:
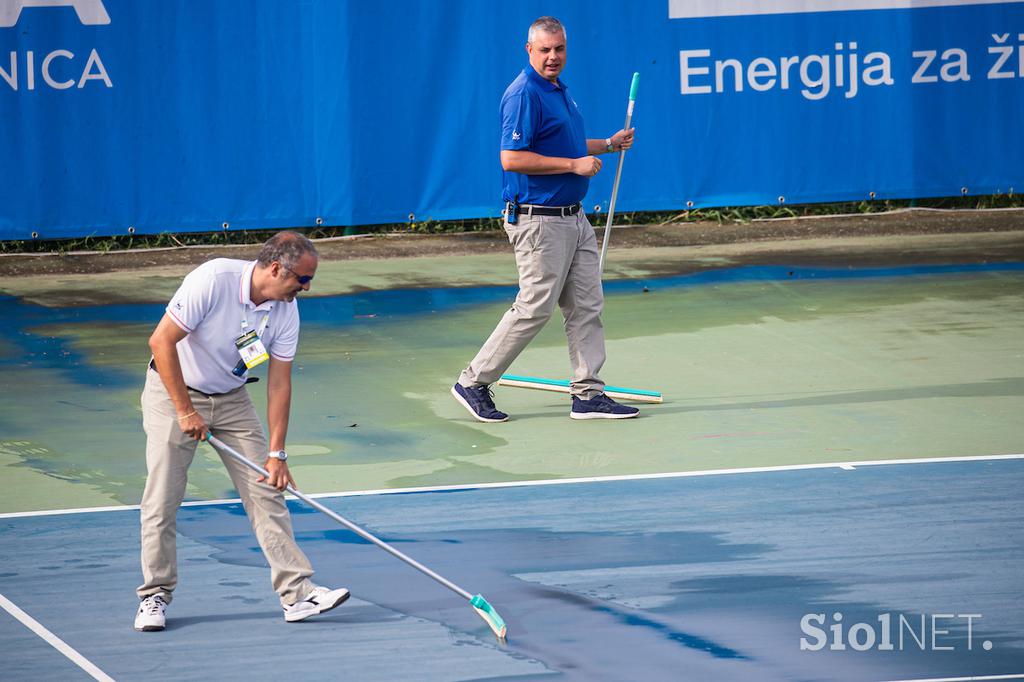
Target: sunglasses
[{"x": 303, "y": 279}]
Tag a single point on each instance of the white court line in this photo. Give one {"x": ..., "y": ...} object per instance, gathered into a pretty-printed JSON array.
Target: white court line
[
  {"x": 54, "y": 641},
  {"x": 1019, "y": 676},
  {"x": 847, "y": 466}
]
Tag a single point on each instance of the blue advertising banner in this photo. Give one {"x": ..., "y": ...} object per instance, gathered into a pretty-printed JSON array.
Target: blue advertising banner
[{"x": 172, "y": 115}]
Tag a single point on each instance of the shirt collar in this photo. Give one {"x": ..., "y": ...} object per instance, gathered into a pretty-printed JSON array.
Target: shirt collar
[
  {"x": 544, "y": 82},
  {"x": 245, "y": 289}
]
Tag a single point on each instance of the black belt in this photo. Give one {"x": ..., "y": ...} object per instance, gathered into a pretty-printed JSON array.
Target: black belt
[
  {"x": 534, "y": 209},
  {"x": 249, "y": 380}
]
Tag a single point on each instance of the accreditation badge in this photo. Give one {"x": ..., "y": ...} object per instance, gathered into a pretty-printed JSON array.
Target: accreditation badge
[{"x": 251, "y": 349}]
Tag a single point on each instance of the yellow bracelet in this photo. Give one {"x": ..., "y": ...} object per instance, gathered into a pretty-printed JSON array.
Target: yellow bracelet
[{"x": 186, "y": 416}]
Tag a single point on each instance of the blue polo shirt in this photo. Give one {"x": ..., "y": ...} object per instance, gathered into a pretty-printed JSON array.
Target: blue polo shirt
[{"x": 540, "y": 116}]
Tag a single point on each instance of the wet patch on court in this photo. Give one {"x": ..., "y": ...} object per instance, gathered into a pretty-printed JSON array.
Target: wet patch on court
[{"x": 759, "y": 366}]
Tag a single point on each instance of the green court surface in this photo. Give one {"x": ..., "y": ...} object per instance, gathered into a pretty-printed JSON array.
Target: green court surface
[{"x": 759, "y": 367}]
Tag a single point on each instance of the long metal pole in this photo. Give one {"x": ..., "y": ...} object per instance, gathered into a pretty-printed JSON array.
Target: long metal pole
[
  {"x": 221, "y": 445},
  {"x": 618, "y": 172}
]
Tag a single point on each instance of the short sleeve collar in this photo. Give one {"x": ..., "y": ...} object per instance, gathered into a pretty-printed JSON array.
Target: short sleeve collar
[
  {"x": 245, "y": 289},
  {"x": 544, "y": 82}
]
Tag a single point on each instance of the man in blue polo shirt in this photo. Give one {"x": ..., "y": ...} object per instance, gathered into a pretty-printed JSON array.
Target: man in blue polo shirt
[{"x": 548, "y": 162}]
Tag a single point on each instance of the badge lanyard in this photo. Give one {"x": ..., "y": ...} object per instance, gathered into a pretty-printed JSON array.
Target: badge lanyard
[{"x": 263, "y": 322}]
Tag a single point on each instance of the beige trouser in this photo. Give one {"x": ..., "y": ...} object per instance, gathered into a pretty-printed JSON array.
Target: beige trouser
[
  {"x": 169, "y": 453},
  {"x": 557, "y": 259}
]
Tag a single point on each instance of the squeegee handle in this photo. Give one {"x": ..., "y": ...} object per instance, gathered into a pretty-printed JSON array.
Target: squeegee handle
[
  {"x": 633, "y": 87},
  {"x": 223, "y": 447}
]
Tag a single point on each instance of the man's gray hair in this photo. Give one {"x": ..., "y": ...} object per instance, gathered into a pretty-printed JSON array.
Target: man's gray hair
[
  {"x": 287, "y": 248},
  {"x": 546, "y": 25}
]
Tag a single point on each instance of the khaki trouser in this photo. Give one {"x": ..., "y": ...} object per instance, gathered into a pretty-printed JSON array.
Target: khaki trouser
[
  {"x": 169, "y": 453},
  {"x": 557, "y": 259}
]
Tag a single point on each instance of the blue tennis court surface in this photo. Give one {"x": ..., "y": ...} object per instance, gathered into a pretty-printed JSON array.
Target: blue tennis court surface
[{"x": 697, "y": 578}]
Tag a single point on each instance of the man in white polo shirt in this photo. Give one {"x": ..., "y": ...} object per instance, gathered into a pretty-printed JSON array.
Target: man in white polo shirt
[{"x": 227, "y": 317}]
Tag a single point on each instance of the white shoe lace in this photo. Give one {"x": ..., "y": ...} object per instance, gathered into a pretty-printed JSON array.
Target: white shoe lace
[{"x": 153, "y": 606}]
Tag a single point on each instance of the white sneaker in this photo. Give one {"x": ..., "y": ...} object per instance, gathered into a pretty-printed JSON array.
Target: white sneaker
[
  {"x": 150, "y": 616},
  {"x": 320, "y": 600}
]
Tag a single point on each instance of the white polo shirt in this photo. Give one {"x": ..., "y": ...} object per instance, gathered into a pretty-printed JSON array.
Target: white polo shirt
[{"x": 213, "y": 306}]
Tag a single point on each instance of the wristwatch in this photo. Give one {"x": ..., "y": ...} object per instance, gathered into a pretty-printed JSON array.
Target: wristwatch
[
  {"x": 278, "y": 454},
  {"x": 609, "y": 147}
]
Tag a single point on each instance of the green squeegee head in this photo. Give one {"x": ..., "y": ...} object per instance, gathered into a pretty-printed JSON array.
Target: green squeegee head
[{"x": 487, "y": 612}]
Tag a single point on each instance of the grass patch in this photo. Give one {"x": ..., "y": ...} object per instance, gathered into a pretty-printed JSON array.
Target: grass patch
[{"x": 725, "y": 214}]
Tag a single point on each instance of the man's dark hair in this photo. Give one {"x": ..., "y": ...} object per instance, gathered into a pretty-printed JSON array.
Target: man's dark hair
[
  {"x": 286, "y": 248},
  {"x": 547, "y": 25}
]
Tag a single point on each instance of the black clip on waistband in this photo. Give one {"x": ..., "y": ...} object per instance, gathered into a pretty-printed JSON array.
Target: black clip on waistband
[{"x": 512, "y": 212}]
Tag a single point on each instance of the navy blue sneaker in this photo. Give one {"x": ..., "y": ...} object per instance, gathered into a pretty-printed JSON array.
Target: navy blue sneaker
[
  {"x": 601, "y": 407},
  {"x": 477, "y": 400}
]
